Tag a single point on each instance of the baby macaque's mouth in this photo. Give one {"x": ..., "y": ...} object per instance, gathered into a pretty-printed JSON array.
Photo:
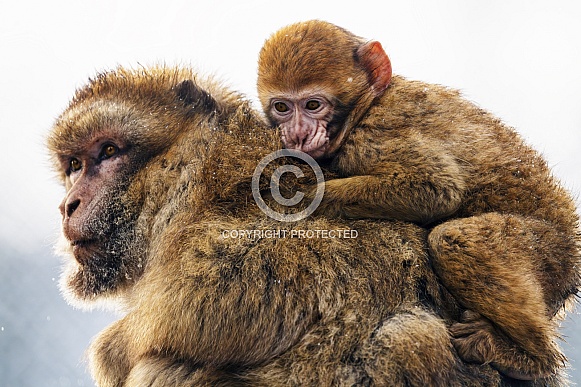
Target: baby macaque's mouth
[{"x": 316, "y": 152}]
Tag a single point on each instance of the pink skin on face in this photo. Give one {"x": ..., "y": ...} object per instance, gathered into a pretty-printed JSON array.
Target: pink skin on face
[
  {"x": 303, "y": 123},
  {"x": 311, "y": 139},
  {"x": 91, "y": 171}
]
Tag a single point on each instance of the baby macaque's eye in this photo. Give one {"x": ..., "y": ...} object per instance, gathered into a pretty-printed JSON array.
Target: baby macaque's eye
[
  {"x": 313, "y": 104},
  {"x": 281, "y": 107}
]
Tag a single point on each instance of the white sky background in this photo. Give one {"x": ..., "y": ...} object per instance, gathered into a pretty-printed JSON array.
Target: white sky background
[{"x": 519, "y": 59}]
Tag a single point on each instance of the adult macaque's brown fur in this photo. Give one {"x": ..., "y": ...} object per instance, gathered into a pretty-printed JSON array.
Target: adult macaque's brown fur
[
  {"x": 422, "y": 153},
  {"x": 204, "y": 309}
]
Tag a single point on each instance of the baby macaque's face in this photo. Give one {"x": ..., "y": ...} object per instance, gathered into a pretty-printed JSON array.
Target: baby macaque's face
[{"x": 304, "y": 119}]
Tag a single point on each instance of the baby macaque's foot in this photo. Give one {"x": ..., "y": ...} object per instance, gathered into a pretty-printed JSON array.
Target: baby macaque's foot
[
  {"x": 477, "y": 340},
  {"x": 473, "y": 338}
]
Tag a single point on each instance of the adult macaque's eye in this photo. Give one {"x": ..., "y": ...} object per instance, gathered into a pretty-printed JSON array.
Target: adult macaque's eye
[
  {"x": 108, "y": 150},
  {"x": 75, "y": 165},
  {"x": 281, "y": 107},
  {"x": 313, "y": 104}
]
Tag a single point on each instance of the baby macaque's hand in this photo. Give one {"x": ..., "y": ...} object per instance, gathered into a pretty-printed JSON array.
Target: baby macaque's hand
[{"x": 313, "y": 142}]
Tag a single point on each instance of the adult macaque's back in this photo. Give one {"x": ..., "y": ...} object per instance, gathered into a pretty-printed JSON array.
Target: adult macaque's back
[{"x": 506, "y": 240}]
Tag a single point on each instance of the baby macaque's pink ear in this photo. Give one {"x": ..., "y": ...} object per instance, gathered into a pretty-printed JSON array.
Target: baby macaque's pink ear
[{"x": 377, "y": 65}]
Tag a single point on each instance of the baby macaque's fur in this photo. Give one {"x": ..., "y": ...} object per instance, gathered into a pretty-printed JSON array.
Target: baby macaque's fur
[{"x": 504, "y": 233}]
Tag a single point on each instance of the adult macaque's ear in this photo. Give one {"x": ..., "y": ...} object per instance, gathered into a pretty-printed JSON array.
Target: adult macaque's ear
[
  {"x": 376, "y": 63},
  {"x": 191, "y": 94}
]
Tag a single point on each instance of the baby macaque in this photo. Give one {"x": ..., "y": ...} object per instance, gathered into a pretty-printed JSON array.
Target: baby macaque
[{"x": 503, "y": 232}]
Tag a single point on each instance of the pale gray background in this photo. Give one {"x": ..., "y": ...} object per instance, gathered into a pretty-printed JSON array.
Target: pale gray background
[{"x": 519, "y": 59}]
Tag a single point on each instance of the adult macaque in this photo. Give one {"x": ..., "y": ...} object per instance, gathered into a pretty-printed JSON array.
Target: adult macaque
[
  {"x": 418, "y": 152},
  {"x": 157, "y": 168}
]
